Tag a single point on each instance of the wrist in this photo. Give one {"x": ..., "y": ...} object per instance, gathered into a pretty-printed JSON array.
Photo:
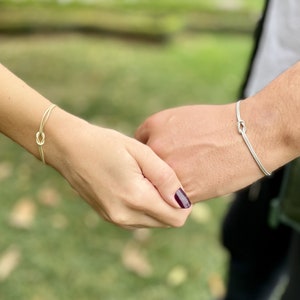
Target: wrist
[
  {"x": 272, "y": 115},
  {"x": 62, "y": 131}
]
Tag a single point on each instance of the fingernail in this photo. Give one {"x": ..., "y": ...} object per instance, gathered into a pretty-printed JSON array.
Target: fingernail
[{"x": 182, "y": 199}]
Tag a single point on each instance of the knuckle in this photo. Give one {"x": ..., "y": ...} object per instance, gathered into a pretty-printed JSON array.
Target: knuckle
[
  {"x": 137, "y": 204},
  {"x": 134, "y": 197},
  {"x": 120, "y": 219},
  {"x": 123, "y": 215},
  {"x": 157, "y": 145},
  {"x": 152, "y": 121},
  {"x": 166, "y": 176}
]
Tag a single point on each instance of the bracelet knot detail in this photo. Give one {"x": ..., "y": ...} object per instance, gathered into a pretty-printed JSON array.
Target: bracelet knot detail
[
  {"x": 242, "y": 130},
  {"x": 40, "y": 136},
  {"x": 242, "y": 127}
]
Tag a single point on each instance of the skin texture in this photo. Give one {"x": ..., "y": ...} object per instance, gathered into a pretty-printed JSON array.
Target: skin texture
[
  {"x": 122, "y": 179},
  {"x": 202, "y": 144}
]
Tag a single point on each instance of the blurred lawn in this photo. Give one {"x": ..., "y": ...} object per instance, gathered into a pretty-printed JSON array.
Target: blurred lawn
[{"x": 68, "y": 252}]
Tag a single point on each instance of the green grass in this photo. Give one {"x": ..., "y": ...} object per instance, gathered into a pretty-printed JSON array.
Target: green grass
[{"x": 117, "y": 84}]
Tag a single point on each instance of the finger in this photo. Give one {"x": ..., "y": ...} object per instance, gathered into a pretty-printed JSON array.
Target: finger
[
  {"x": 147, "y": 199},
  {"x": 144, "y": 209},
  {"x": 132, "y": 211},
  {"x": 128, "y": 218},
  {"x": 162, "y": 176},
  {"x": 168, "y": 215},
  {"x": 141, "y": 221},
  {"x": 147, "y": 222},
  {"x": 142, "y": 133}
]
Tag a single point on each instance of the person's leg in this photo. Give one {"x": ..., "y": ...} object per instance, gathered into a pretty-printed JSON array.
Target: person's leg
[
  {"x": 292, "y": 291},
  {"x": 257, "y": 252}
]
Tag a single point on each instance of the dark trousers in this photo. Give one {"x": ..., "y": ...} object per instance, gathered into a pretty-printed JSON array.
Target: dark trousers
[{"x": 259, "y": 254}]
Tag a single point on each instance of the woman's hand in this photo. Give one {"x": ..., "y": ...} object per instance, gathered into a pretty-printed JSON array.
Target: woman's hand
[{"x": 122, "y": 179}]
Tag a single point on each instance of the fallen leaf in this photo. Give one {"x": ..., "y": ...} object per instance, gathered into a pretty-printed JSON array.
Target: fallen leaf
[
  {"x": 201, "y": 213},
  {"x": 135, "y": 260},
  {"x": 9, "y": 260},
  {"x": 142, "y": 235},
  {"x": 229, "y": 5},
  {"x": 23, "y": 214},
  {"x": 216, "y": 286},
  {"x": 177, "y": 276},
  {"x": 6, "y": 170},
  {"x": 49, "y": 196}
]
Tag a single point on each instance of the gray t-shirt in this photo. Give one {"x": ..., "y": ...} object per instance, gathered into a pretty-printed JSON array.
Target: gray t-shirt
[{"x": 279, "y": 47}]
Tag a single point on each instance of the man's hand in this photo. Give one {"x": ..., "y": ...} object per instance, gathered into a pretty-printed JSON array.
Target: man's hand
[{"x": 202, "y": 144}]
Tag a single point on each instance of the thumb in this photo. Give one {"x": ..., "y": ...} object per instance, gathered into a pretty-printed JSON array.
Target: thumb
[{"x": 162, "y": 176}]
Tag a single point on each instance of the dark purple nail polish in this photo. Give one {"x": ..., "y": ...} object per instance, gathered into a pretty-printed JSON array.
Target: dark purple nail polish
[{"x": 182, "y": 199}]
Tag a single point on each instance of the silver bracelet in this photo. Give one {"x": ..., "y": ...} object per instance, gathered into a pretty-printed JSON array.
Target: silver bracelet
[{"x": 242, "y": 130}]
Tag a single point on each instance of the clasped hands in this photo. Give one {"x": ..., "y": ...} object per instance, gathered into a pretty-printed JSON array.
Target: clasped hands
[
  {"x": 189, "y": 152},
  {"x": 192, "y": 148}
]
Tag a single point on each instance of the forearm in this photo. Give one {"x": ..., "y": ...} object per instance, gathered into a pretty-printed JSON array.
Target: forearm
[
  {"x": 21, "y": 111},
  {"x": 272, "y": 119}
]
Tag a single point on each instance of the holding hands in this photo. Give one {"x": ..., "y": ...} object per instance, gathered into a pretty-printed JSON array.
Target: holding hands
[{"x": 131, "y": 185}]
